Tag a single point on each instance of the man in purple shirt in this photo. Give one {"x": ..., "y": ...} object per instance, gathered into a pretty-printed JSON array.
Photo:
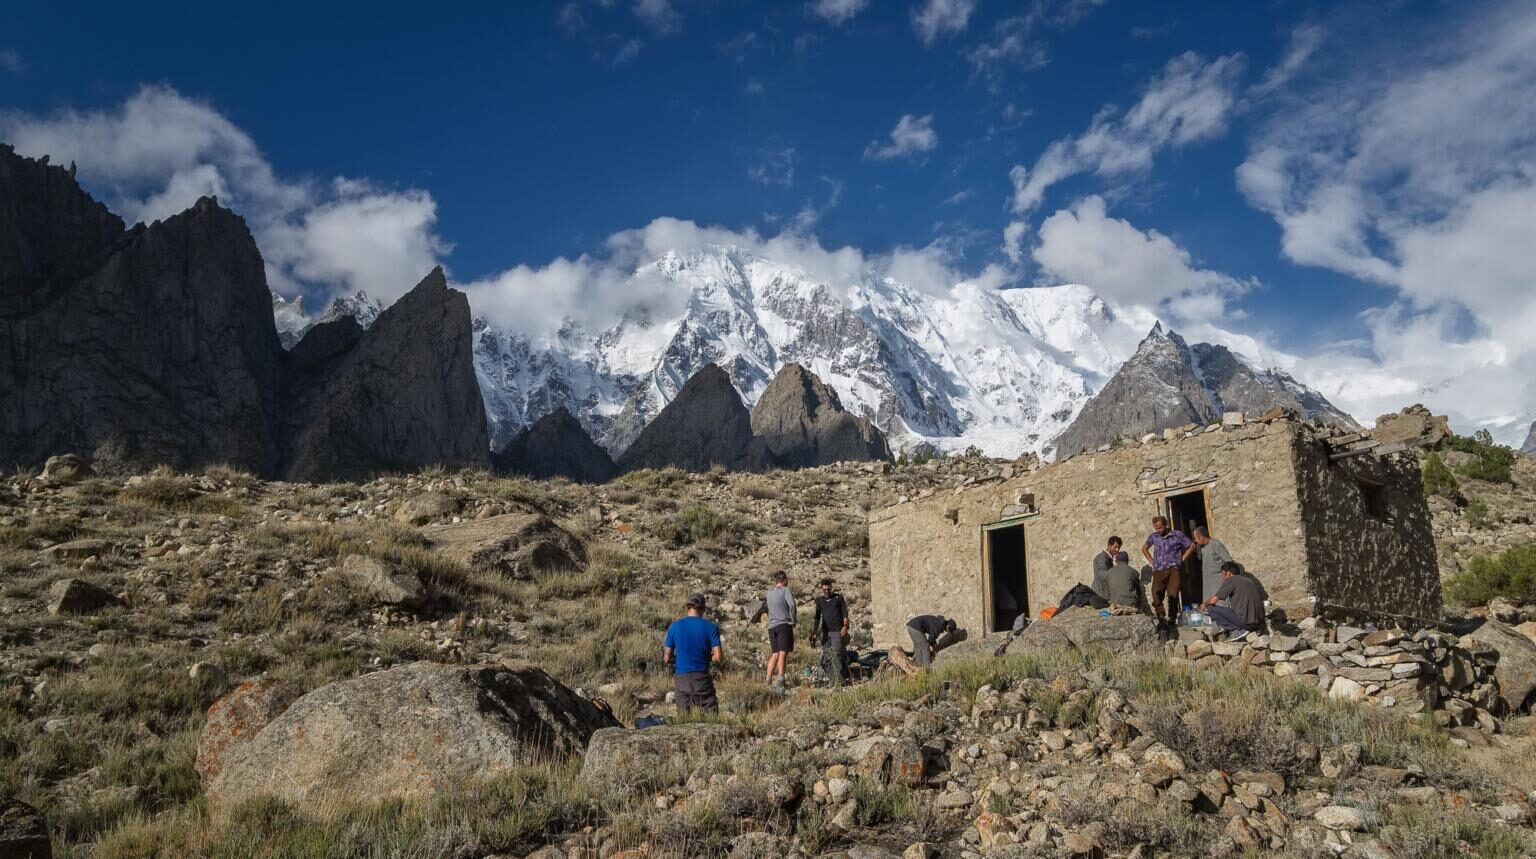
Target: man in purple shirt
[{"x": 1166, "y": 550}]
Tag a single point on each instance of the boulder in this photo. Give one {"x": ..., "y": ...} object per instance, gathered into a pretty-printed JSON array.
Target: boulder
[
  {"x": 66, "y": 468},
  {"x": 408, "y": 733},
  {"x": 23, "y": 832},
  {"x": 1515, "y": 672},
  {"x": 382, "y": 581},
  {"x": 77, "y": 549},
  {"x": 427, "y": 507},
  {"x": 622, "y": 759},
  {"x": 1084, "y": 628},
  {"x": 1414, "y": 425},
  {"x": 803, "y": 423},
  {"x": 78, "y": 596},
  {"x": 513, "y": 544},
  {"x": 555, "y": 445},
  {"x": 237, "y": 717},
  {"x": 705, "y": 425}
]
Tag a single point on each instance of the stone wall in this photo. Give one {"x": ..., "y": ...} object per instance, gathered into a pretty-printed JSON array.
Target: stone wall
[
  {"x": 1362, "y": 561},
  {"x": 925, "y": 553}
]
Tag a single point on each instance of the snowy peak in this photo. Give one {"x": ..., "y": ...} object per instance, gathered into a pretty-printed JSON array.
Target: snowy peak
[
  {"x": 357, "y": 305},
  {"x": 290, "y": 318}
]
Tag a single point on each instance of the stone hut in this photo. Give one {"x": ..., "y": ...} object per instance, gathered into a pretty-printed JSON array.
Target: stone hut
[{"x": 1330, "y": 521}]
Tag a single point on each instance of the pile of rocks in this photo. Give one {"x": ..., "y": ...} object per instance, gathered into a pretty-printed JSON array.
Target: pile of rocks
[{"x": 1425, "y": 670}]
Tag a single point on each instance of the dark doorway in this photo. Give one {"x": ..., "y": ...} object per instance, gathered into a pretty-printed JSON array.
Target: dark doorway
[
  {"x": 1186, "y": 512},
  {"x": 1009, "y": 589}
]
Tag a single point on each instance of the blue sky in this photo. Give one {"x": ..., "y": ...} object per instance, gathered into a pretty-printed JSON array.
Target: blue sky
[{"x": 1335, "y": 187}]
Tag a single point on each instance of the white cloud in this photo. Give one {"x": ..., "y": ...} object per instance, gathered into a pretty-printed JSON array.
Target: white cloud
[
  {"x": 1304, "y": 42},
  {"x": 11, "y": 61},
  {"x": 1010, "y": 47},
  {"x": 1411, "y": 163},
  {"x": 1189, "y": 102},
  {"x": 913, "y": 135},
  {"x": 159, "y": 151},
  {"x": 938, "y": 18},
  {"x": 659, "y": 15},
  {"x": 1128, "y": 266},
  {"x": 1013, "y": 241},
  {"x": 837, "y": 12},
  {"x": 627, "y": 52},
  {"x": 774, "y": 166}
]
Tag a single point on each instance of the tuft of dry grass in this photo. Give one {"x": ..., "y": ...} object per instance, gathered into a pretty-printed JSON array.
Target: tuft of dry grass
[{"x": 163, "y": 491}]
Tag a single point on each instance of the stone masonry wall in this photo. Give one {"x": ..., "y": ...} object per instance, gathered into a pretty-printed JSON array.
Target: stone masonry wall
[
  {"x": 1362, "y": 562},
  {"x": 925, "y": 553}
]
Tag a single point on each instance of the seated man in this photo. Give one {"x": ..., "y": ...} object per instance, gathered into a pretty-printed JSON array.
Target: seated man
[
  {"x": 1244, "y": 612},
  {"x": 1102, "y": 562},
  {"x": 1122, "y": 584}
]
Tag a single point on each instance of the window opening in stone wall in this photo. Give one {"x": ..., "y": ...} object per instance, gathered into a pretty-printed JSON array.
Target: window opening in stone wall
[
  {"x": 1374, "y": 497},
  {"x": 1186, "y": 512},
  {"x": 1009, "y": 583}
]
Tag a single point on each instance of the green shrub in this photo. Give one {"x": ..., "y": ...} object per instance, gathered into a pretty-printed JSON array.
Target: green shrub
[
  {"x": 1511, "y": 575},
  {"x": 1490, "y": 463},
  {"x": 1438, "y": 479},
  {"x": 1478, "y": 515},
  {"x": 1441, "y": 834}
]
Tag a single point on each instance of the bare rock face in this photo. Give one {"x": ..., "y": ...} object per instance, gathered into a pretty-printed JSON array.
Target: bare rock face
[
  {"x": 237, "y": 717},
  {"x": 1515, "y": 672},
  {"x": 23, "y": 832},
  {"x": 520, "y": 545},
  {"x": 706, "y": 424},
  {"x": 78, "y": 596},
  {"x": 803, "y": 423},
  {"x": 1529, "y": 448},
  {"x": 555, "y": 445},
  {"x": 158, "y": 343},
  {"x": 407, "y": 733},
  {"x": 621, "y": 760},
  {"x": 403, "y": 397},
  {"x": 1414, "y": 425}
]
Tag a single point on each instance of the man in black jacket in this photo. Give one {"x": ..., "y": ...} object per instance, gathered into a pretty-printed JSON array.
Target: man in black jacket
[
  {"x": 832, "y": 631},
  {"x": 925, "y": 630}
]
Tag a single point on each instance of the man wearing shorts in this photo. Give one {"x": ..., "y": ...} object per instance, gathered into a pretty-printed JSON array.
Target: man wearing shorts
[
  {"x": 692, "y": 645},
  {"x": 1166, "y": 550},
  {"x": 779, "y": 606}
]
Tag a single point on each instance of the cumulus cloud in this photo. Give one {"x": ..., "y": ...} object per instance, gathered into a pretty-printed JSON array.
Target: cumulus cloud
[
  {"x": 913, "y": 135},
  {"x": 1129, "y": 266},
  {"x": 155, "y": 154},
  {"x": 837, "y": 12},
  {"x": 1415, "y": 168},
  {"x": 1190, "y": 101},
  {"x": 938, "y": 18}
]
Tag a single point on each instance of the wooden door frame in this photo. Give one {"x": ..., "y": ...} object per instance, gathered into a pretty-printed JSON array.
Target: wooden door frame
[{"x": 987, "y": 614}]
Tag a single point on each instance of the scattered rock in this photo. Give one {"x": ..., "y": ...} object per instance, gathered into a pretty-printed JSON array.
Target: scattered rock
[
  {"x": 618, "y": 758},
  {"x": 1515, "y": 671},
  {"x": 513, "y": 544},
  {"x": 383, "y": 582},
  {"x": 78, "y": 596},
  {"x": 427, "y": 507},
  {"x": 66, "y": 468},
  {"x": 1341, "y": 817},
  {"x": 23, "y": 832},
  {"x": 77, "y": 549}
]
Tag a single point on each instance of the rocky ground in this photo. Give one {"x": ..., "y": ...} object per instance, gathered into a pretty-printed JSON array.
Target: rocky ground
[
  {"x": 1462, "y": 534},
  {"x": 130, "y": 604}
]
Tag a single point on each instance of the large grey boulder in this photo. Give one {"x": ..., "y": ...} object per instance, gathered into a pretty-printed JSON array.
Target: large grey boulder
[
  {"x": 383, "y": 582},
  {"x": 23, "y": 832},
  {"x": 555, "y": 445},
  {"x": 1515, "y": 672},
  {"x": 621, "y": 759},
  {"x": 408, "y": 733},
  {"x": 1085, "y": 629},
  {"x": 803, "y": 423},
  {"x": 405, "y": 396},
  {"x": 520, "y": 545},
  {"x": 78, "y": 596},
  {"x": 238, "y": 717},
  {"x": 1415, "y": 425},
  {"x": 705, "y": 425}
]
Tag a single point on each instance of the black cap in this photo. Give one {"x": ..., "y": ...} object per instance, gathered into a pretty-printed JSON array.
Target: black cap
[{"x": 695, "y": 600}]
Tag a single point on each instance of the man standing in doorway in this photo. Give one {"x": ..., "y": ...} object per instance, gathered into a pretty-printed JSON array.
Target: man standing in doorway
[
  {"x": 779, "y": 606},
  {"x": 691, "y": 646},
  {"x": 1101, "y": 564},
  {"x": 1166, "y": 550},
  {"x": 832, "y": 631},
  {"x": 1213, "y": 554}
]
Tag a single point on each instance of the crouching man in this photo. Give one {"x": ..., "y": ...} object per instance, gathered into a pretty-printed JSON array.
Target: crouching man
[
  {"x": 1243, "y": 615},
  {"x": 925, "y": 630},
  {"x": 692, "y": 645}
]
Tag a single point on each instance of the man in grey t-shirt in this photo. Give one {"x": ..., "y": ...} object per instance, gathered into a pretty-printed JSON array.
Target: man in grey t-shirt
[
  {"x": 779, "y": 606},
  {"x": 1213, "y": 553},
  {"x": 1244, "y": 612}
]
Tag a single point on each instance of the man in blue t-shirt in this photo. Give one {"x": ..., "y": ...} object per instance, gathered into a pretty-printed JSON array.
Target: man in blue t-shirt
[{"x": 691, "y": 645}]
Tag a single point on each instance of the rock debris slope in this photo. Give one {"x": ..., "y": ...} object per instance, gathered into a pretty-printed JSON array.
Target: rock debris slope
[
  {"x": 158, "y": 344},
  {"x": 804, "y": 425},
  {"x": 1168, "y": 383}
]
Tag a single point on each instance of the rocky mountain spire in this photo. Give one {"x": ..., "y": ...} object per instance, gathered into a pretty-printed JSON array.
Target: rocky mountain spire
[
  {"x": 706, "y": 424},
  {"x": 1529, "y": 448},
  {"x": 804, "y": 424},
  {"x": 555, "y": 446}
]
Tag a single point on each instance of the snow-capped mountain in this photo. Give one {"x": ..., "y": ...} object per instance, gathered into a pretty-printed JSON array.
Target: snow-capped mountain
[
  {"x": 290, "y": 318},
  {"x": 1002, "y": 370}
]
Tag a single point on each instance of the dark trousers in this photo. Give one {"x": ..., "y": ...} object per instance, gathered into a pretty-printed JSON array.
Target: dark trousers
[
  {"x": 834, "y": 658},
  {"x": 695, "y": 689},
  {"x": 922, "y": 654},
  {"x": 1166, "y": 581},
  {"x": 1228, "y": 620}
]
